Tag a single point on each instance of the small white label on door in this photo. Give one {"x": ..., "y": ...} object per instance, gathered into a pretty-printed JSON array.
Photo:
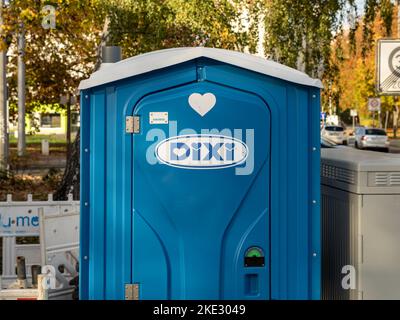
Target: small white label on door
[{"x": 158, "y": 117}]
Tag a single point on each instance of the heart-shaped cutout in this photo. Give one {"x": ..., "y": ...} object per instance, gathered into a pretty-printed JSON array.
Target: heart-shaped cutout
[
  {"x": 179, "y": 151},
  {"x": 202, "y": 104},
  {"x": 196, "y": 146}
]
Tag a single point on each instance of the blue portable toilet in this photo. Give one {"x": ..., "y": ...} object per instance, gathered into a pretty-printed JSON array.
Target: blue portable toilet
[{"x": 200, "y": 178}]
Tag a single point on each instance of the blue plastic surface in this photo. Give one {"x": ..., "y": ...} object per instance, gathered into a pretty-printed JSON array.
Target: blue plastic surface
[{"x": 182, "y": 233}]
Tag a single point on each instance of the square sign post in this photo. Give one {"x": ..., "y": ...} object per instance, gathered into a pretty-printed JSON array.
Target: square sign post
[
  {"x": 323, "y": 117},
  {"x": 388, "y": 67},
  {"x": 374, "y": 106},
  {"x": 353, "y": 114}
]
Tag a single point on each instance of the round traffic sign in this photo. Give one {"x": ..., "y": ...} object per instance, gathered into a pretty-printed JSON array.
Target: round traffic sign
[{"x": 394, "y": 61}]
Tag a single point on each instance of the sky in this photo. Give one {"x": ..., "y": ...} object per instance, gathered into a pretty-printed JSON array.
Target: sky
[
  {"x": 360, "y": 11},
  {"x": 360, "y": 5}
]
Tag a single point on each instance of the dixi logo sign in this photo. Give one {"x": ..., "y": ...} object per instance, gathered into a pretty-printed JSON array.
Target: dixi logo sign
[{"x": 202, "y": 151}]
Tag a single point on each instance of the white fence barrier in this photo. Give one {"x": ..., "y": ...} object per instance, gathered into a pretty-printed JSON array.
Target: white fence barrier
[
  {"x": 21, "y": 218},
  {"x": 59, "y": 236}
]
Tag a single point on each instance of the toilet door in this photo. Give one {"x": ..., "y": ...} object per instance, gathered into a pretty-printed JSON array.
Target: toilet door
[{"x": 201, "y": 194}]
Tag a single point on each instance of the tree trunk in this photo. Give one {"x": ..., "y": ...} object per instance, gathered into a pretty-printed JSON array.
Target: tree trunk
[
  {"x": 70, "y": 182},
  {"x": 68, "y": 128},
  {"x": 395, "y": 121},
  {"x": 386, "y": 119}
]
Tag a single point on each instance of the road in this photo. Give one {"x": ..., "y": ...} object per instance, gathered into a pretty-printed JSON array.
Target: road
[{"x": 394, "y": 146}]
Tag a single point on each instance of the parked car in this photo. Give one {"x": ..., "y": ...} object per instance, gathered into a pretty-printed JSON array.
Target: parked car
[
  {"x": 334, "y": 133},
  {"x": 327, "y": 143},
  {"x": 372, "y": 138},
  {"x": 350, "y": 137}
]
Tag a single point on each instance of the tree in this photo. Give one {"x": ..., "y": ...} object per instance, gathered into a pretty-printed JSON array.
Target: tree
[
  {"x": 299, "y": 33},
  {"x": 355, "y": 76},
  {"x": 327, "y": 39},
  {"x": 141, "y": 26},
  {"x": 56, "y": 59}
]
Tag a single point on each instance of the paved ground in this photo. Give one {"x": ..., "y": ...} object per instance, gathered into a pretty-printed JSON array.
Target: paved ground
[{"x": 395, "y": 146}]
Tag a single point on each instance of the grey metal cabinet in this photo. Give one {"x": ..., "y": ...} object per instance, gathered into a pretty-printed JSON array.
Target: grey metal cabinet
[{"x": 360, "y": 210}]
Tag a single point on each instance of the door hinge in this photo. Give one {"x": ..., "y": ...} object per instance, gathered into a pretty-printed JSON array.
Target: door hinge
[
  {"x": 132, "y": 124},
  {"x": 132, "y": 291}
]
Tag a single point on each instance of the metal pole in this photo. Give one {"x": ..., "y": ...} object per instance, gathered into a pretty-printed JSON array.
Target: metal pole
[
  {"x": 386, "y": 120},
  {"x": 373, "y": 119},
  {"x": 21, "y": 93},
  {"x": 21, "y": 272},
  {"x": 3, "y": 102},
  {"x": 68, "y": 127},
  {"x": 395, "y": 109},
  {"x": 21, "y": 268},
  {"x": 43, "y": 291},
  {"x": 330, "y": 98},
  {"x": 35, "y": 271}
]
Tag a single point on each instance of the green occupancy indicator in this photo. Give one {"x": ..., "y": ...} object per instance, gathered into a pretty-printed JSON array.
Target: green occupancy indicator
[{"x": 254, "y": 252}]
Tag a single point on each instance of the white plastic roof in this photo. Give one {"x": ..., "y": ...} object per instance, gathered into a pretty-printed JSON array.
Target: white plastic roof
[{"x": 163, "y": 58}]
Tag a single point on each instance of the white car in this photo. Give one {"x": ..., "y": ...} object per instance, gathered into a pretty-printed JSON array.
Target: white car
[
  {"x": 334, "y": 133},
  {"x": 371, "y": 138}
]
